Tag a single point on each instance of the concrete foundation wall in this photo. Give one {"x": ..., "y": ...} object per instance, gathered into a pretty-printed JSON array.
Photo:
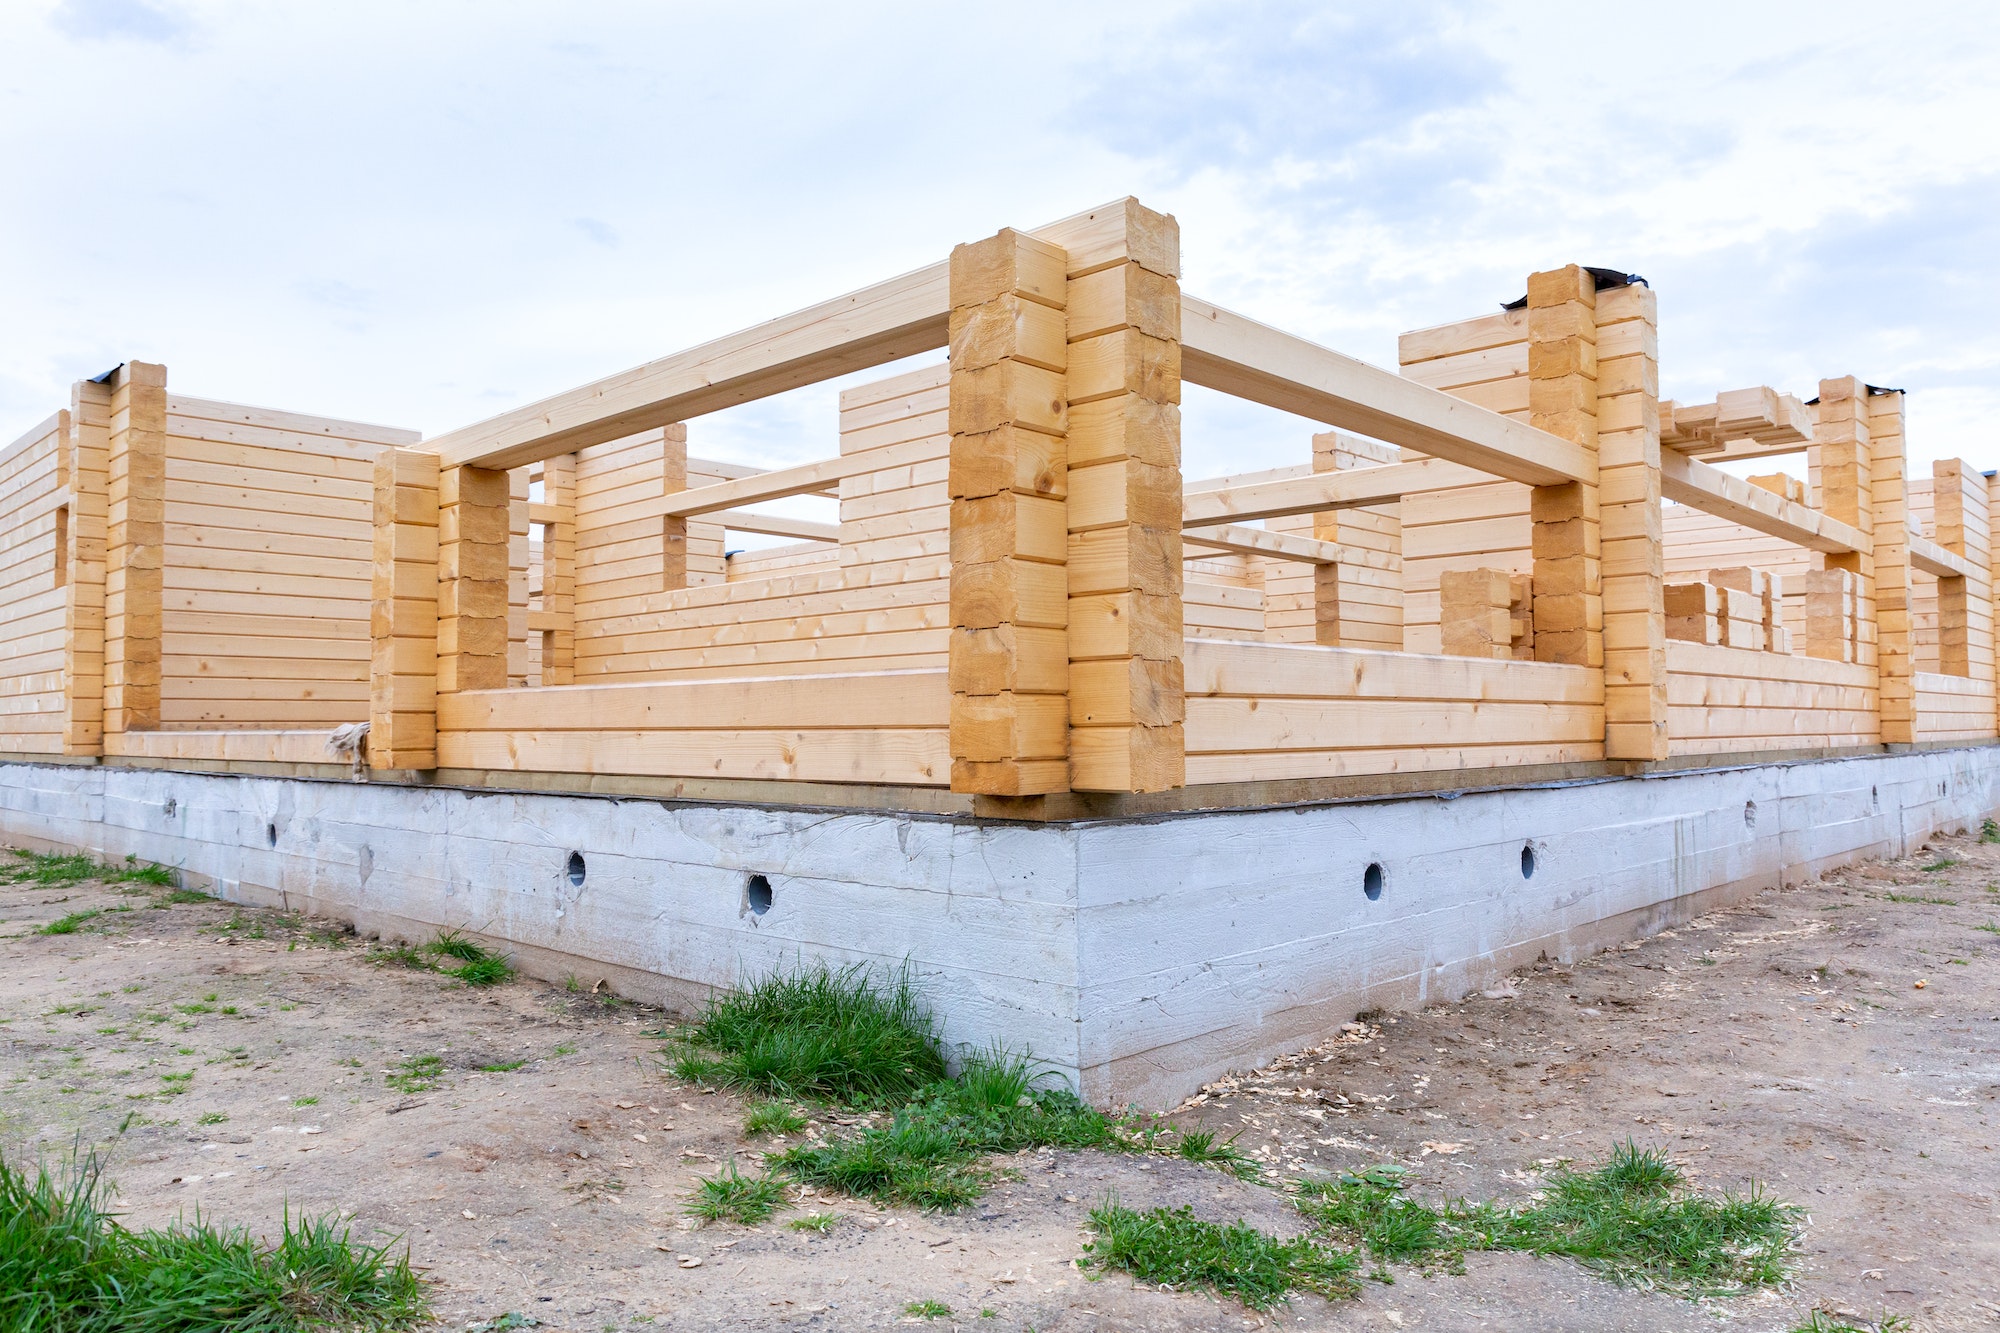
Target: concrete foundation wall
[{"x": 1140, "y": 958}]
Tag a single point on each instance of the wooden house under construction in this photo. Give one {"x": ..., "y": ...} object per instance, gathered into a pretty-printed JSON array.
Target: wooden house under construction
[{"x": 1151, "y": 776}]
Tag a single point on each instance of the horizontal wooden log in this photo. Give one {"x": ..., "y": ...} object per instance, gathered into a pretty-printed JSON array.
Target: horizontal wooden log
[
  {"x": 1713, "y": 491},
  {"x": 881, "y": 323},
  {"x": 1225, "y": 351},
  {"x": 1931, "y": 558},
  {"x": 1262, "y": 541},
  {"x": 1318, "y": 492}
]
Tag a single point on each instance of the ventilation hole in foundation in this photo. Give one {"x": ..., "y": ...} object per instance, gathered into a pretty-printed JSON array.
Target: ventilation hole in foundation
[
  {"x": 1875, "y": 797},
  {"x": 1749, "y": 814},
  {"x": 1528, "y": 861},
  {"x": 574, "y": 870},
  {"x": 1371, "y": 881},
  {"x": 758, "y": 894},
  {"x": 271, "y": 834},
  {"x": 169, "y": 808},
  {"x": 1940, "y": 789}
]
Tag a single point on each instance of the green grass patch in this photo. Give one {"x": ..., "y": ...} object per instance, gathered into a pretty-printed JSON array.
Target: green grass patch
[
  {"x": 729, "y": 1195},
  {"x": 1171, "y": 1247},
  {"x": 185, "y": 896},
  {"x": 69, "y": 925},
  {"x": 211, "y": 1118},
  {"x": 1895, "y": 897},
  {"x": 451, "y": 954},
  {"x": 501, "y": 1067},
  {"x": 67, "y": 1266},
  {"x": 419, "y": 1073},
  {"x": 927, "y": 1310},
  {"x": 1991, "y": 927},
  {"x": 75, "y": 867},
  {"x": 772, "y": 1118},
  {"x": 1944, "y": 863},
  {"x": 1629, "y": 1220},
  {"x": 929, "y": 1154},
  {"x": 841, "y": 1036},
  {"x": 1199, "y": 1145},
  {"x": 1989, "y": 830}
]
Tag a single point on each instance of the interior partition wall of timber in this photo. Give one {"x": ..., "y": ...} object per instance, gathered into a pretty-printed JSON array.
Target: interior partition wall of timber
[{"x": 1509, "y": 560}]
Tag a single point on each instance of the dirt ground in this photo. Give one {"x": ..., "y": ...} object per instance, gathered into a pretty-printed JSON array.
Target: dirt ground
[{"x": 1839, "y": 1042}]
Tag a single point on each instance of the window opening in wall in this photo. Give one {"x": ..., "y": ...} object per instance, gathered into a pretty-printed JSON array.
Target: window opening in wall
[{"x": 62, "y": 546}]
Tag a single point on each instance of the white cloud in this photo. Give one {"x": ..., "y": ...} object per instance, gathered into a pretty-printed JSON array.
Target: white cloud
[{"x": 425, "y": 214}]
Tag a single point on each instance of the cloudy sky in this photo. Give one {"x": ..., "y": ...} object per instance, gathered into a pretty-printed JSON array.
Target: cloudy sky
[{"x": 422, "y": 212}]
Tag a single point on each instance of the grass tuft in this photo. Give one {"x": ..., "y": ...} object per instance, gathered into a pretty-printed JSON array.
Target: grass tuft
[
  {"x": 821, "y": 1033},
  {"x": 1629, "y": 1220},
  {"x": 65, "y": 1264},
  {"x": 1989, "y": 830},
  {"x": 477, "y": 966},
  {"x": 1199, "y": 1145},
  {"x": 68, "y": 925},
  {"x": 1821, "y": 1322},
  {"x": 1174, "y": 1248},
  {"x": 732, "y": 1196},
  {"x": 419, "y": 1073},
  {"x": 772, "y": 1118},
  {"x": 927, "y": 1310},
  {"x": 75, "y": 867},
  {"x": 928, "y": 1155},
  {"x": 1943, "y": 863}
]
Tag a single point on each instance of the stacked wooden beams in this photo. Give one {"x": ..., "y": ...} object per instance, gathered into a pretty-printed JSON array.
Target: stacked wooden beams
[
  {"x": 135, "y": 542},
  {"x": 1009, "y": 415},
  {"x": 1692, "y": 612},
  {"x": 34, "y": 655},
  {"x": 1483, "y": 522},
  {"x": 1566, "y": 534},
  {"x": 1723, "y": 701},
  {"x": 1833, "y": 615},
  {"x": 1124, "y": 513},
  {"x": 1751, "y": 596},
  {"x": 472, "y": 578},
  {"x": 1741, "y": 423},
  {"x": 268, "y": 566},
  {"x": 1842, "y": 470},
  {"x": 1262, "y": 712},
  {"x": 1358, "y": 601},
  {"x": 559, "y": 571},
  {"x": 1631, "y": 533},
  {"x": 1960, "y": 503},
  {"x": 1476, "y": 612},
  {"x": 87, "y": 443},
  {"x": 403, "y": 623},
  {"x": 1889, "y": 504}
]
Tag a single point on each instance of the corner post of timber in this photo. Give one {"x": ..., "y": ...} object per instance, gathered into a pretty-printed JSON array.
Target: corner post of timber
[
  {"x": 1632, "y": 527},
  {"x": 86, "y": 443},
  {"x": 1009, "y": 416},
  {"x": 403, "y": 619},
  {"x": 559, "y": 568},
  {"x": 1358, "y": 601},
  {"x": 473, "y": 534},
  {"x": 1841, "y": 463},
  {"x": 1127, "y": 703},
  {"x": 1965, "y": 604},
  {"x": 134, "y": 546},
  {"x": 673, "y": 528},
  {"x": 1895, "y": 638},
  {"x": 1568, "y": 604},
  {"x": 519, "y": 557}
]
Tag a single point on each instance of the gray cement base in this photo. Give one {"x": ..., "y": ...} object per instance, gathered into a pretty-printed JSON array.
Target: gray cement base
[{"x": 1138, "y": 958}]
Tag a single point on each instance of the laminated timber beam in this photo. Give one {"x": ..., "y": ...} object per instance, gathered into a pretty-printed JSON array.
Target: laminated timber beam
[
  {"x": 871, "y": 327},
  {"x": 1713, "y": 491},
  {"x": 1932, "y": 558},
  {"x": 1746, "y": 423},
  {"x": 1262, "y": 541},
  {"x": 1227, "y": 352},
  {"x": 772, "y": 525},
  {"x": 1316, "y": 492}
]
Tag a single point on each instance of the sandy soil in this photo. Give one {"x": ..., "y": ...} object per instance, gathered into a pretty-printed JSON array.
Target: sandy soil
[{"x": 1787, "y": 1041}]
